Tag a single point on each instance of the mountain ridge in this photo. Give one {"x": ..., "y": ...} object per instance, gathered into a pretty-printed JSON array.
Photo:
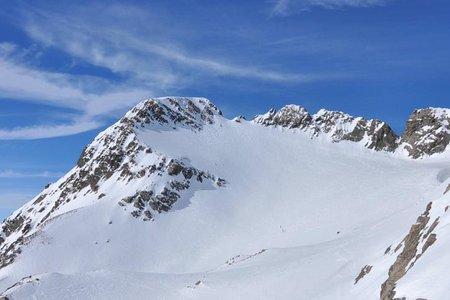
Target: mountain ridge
[
  {"x": 427, "y": 130},
  {"x": 112, "y": 156},
  {"x": 129, "y": 167}
]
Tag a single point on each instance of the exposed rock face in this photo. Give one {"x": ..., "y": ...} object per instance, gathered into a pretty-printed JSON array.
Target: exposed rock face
[
  {"x": 338, "y": 126},
  {"x": 382, "y": 136},
  {"x": 117, "y": 155},
  {"x": 427, "y": 132},
  {"x": 411, "y": 252},
  {"x": 447, "y": 189},
  {"x": 182, "y": 112},
  {"x": 148, "y": 203},
  {"x": 364, "y": 271},
  {"x": 375, "y": 134},
  {"x": 239, "y": 119},
  {"x": 290, "y": 116}
]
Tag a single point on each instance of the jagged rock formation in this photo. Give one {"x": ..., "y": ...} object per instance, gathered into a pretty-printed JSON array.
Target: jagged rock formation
[
  {"x": 290, "y": 116},
  {"x": 427, "y": 132},
  {"x": 364, "y": 271},
  {"x": 192, "y": 113},
  {"x": 420, "y": 234},
  {"x": 375, "y": 134},
  {"x": 338, "y": 126}
]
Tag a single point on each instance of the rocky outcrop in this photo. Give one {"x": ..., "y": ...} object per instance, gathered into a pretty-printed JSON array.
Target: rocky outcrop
[
  {"x": 364, "y": 271},
  {"x": 161, "y": 198},
  {"x": 192, "y": 113},
  {"x": 290, "y": 116},
  {"x": 374, "y": 134},
  {"x": 337, "y": 126},
  {"x": 239, "y": 119},
  {"x": 447, "y": 189},
  {"x": 411, "y": 251},
  {"x": 427, "y": 132}
]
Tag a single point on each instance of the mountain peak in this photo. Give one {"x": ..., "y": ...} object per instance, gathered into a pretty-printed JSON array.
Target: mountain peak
[
  {"x": 427, "y": 132},
  {"x": 199, "y": 202},
  {"x": 150, "y": 182},
  {"x": 191, "y": 112},
  {"x": 291, "y": 116}
]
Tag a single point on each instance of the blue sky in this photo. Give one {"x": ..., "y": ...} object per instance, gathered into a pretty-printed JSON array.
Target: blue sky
[{"x": 68, "y": 69}]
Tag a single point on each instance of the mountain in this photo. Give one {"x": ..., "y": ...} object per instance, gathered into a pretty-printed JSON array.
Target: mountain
[
  {"x": 427, "y": 131},
  {"x": 174, "y": 201}
]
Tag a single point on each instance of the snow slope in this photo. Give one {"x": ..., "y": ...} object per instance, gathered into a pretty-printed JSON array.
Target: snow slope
[{"x": 177, "y": 202}]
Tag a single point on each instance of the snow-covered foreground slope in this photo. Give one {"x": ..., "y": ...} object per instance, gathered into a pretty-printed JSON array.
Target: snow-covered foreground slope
[{"x": 177, "y": 202}]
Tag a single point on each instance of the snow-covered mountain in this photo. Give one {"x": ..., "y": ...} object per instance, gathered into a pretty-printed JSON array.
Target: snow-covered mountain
[{"x": 174, "y": 201}]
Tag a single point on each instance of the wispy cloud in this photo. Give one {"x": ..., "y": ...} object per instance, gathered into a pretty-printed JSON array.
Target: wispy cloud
[
  {"x": 287, "y": 7},
  {"x": 16, "y": 174},
  {"x": 47, "y": 131},
  {"x": 280, "y": 8},
  {"x": 133, "y": 44},
  {"x": 24, "y": 83},
  {"x": 150, "y": 61}
]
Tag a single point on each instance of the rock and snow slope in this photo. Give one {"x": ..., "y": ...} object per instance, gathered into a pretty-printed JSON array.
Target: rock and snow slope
[{"x": 176, "y": 202}]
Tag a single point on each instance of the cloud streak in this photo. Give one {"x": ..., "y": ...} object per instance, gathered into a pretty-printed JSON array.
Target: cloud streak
[
  {"x": 60, "y": 90},
  {"x": 25, "y": 83},
  {"x": 43, "y": 174},
  {"x": 148, "y": 60},
  {"x": 127, "y": 42},
  {"x": 287, "y": 7},
  {"x": 47, "y": 131}
]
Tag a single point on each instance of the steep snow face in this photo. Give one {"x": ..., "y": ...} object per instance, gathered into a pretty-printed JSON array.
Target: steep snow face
[
  {"x": 118, "y": 165},
  {"x": 176, "y": 202}
]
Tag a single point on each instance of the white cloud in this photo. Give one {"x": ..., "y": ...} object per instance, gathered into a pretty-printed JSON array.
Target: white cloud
[
  {"x": 280, "y": 8},
  {"x": 286, "y": 7},
  {"x": 47, "y": 131},
  {"x": 43, "y": 174},
  {"x": 24, "y": 83},
  {"x": 146, "y": 56},
  {"x": 7, "y": 48},
  {"x": 20, "y": 82},
  {"x": 135, "y": 46}
]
